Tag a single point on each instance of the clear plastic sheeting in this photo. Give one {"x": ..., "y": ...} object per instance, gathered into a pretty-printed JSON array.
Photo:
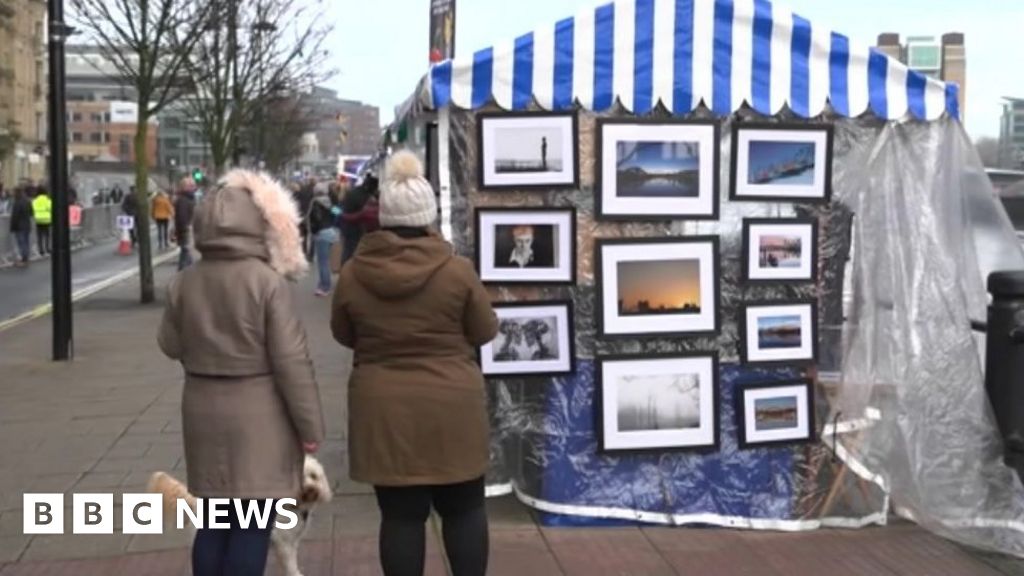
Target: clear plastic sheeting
[
  {"x": 928, "y": 230},
  {"x": 901, "y": 409}
]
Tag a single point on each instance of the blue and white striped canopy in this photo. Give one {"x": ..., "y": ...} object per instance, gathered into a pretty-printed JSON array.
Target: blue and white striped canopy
[{"x": 683, "y": 52}]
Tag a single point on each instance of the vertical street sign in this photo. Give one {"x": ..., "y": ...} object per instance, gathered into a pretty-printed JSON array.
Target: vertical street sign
[{"x": 442, "y": 30}]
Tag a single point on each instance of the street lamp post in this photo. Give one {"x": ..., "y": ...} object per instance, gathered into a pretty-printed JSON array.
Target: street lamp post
[
  {"x": 61, "y": 257},
  {"x": 261, "y": 27}
]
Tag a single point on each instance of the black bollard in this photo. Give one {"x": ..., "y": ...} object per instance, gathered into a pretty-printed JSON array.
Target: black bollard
[{"x": 1004, "y": 362}]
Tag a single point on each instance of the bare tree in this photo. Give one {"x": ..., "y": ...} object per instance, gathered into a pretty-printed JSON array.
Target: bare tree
[
  {"x": 988, "y": 149},
  {"x": 287, "y": 119},
  {"x": 255, "y": 53},
  {"x": 148, "y": 42}
]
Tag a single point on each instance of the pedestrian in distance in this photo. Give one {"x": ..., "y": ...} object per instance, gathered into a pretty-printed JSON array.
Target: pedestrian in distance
[
  {"x": 321, "y": 221},
  {"x": 305, "y": 200},
  {"x": 130, "y": 207},
  {"x": 184, "y": 207},
  {"x": 42, "y": 212},
  {"x": 6, "y": 200},
  {"x": 163, "y": 211},
  {"x": 359, "y": 215},
  {"x": 414, "y": 313},
  {"x": 21, "y": 225},
  {"x": 250, "y": 407}
]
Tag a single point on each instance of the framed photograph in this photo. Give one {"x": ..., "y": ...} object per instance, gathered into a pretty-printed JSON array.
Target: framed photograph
[
  {"x": 534, "y": 339},
  {"x": 781, "y": 162},
  {"x": 658, "y": 287},
  {"x": 657, "y": 169},
  {"x": 526, "y": 245},
  {"x": 780, "y": 250},
  {"x": 779, "y": 333},
  {"x": 527, "y": 150},
  {"x": 777, "y": 413},
  {"x": 658, "y": 403}
]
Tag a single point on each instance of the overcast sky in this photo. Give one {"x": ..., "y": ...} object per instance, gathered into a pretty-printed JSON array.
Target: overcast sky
[{"x": 381, "y": 48}]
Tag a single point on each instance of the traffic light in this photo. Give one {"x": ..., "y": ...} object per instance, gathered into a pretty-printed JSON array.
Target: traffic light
[{"x": 197, "y": 175}]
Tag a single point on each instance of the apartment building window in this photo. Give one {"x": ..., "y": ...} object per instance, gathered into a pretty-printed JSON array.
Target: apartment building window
[
  {"x": 96, "y": 137},
  {"x": 97, "y": 118},
  {"x": 106, "y": 137},
  {"x": 125, "y": 148},
  {"x": 76, "y": 136},
  {"x": 76, "y": 117}
]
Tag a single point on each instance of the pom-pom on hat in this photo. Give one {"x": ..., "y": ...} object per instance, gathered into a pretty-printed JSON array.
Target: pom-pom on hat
[{"x": 406, "y": 198}]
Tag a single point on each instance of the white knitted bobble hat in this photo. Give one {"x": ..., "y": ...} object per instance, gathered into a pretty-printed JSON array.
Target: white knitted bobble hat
[{"x": 406, "y": 198}]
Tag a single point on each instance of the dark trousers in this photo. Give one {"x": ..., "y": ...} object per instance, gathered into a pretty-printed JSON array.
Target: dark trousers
[
  {"x": 43, "y": 238},
  {"x": 161, "y": 234},
  {"x": 24, "y": 240},
  {"x": 404, "y": 513},
  {"x": 235, "y": 551}
]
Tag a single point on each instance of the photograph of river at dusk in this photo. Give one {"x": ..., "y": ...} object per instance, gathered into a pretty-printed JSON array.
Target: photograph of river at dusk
[
  {"x": 658, "y": 169},
  {"x": 659, "y": 287}
]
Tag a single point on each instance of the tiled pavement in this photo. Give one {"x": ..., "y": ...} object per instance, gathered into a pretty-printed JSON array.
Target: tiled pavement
[{"x": 106, "y": 421}]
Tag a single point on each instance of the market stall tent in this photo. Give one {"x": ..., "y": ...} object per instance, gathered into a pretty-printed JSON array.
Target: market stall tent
[{"x": 904, "y": 423}]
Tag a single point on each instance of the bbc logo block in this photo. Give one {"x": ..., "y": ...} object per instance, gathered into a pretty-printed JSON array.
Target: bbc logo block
[{"x": 92, "y": 514}]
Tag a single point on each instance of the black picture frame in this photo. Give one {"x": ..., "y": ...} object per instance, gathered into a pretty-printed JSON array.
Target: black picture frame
[
  {"x": 570, "y": 350},
  {"x": 741, "y": 419},
  {"x": 813, "y": 324},
  {"x": 782, "y": 127},
  {"x": 599, "y": 279},
  {"x": 485, "y": 117},
  {"x": 599, "y": 402},
  {"x": 478, "y": 236},
  {"x": 748, "y": 223},
  {"x": 601, "y": 212}
]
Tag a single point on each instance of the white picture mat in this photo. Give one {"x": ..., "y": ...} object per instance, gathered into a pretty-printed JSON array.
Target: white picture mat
[
  {"x": 613, "y": 370},
  {"x": 612, "y": 254},
  {"x": 750, "y": 398},
  {"x": 702, "y": 205},
  {"x": 815, "y": 190},
  {"x": 806, "y": 234},
  {"x": 489, "y": 148},
  {"x": 565, "y": 350},
  {"x": 563, "y": 223},
  {"x": 807, "y": 334}
]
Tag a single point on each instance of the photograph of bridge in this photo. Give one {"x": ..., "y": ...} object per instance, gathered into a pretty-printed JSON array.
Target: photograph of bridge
[{"x": 658, "y": 169}]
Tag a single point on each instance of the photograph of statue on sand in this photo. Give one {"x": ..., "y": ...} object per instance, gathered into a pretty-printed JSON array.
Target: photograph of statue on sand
[
  {"x": 649, "y": 287},
  {"x": 527, "y": 150}
]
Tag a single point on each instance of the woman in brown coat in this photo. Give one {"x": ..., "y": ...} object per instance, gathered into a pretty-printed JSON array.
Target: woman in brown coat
[
  {"x": 250, "y": 406},
  {"x": 418, "y": 431}
]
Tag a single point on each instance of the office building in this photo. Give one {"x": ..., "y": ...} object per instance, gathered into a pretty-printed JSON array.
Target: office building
[
  {"x": 1011, "y": 134},
  {"x": 23, "y": 82},
  {"x": 104, "y": 131},
  {"x": 942, "y": 58}
]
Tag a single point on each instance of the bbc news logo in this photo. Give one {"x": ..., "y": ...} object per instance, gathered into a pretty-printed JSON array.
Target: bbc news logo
[{"x": 144, "y": 513}]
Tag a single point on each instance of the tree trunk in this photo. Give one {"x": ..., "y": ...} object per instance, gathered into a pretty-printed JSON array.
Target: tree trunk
[{"x": 146, "y": 284}]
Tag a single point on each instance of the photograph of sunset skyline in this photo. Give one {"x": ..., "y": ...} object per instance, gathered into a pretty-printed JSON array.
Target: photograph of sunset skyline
[{"x": 659, "y": 287}]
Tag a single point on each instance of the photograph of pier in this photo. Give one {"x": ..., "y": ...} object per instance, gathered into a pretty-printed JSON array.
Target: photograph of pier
[{"x": 781, "y": 163}]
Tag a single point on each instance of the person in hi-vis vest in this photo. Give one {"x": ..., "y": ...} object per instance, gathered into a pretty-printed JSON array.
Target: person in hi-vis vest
[{"x": 42, "y": 212}]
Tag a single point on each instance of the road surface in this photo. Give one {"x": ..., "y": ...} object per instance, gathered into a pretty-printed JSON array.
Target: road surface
[{"x": 24, "y": 289}]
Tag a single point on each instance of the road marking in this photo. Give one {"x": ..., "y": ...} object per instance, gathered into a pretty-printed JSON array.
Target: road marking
[{"x": 45, "y": 309}]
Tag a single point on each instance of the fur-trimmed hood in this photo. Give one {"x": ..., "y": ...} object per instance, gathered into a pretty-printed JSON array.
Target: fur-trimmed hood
[{"x": 250, "y": 215}]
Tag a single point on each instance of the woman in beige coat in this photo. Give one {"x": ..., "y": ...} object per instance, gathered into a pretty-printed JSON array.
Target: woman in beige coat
[
  {"x": 250, "y": 406},
  {"x": 414, "y": 313}
]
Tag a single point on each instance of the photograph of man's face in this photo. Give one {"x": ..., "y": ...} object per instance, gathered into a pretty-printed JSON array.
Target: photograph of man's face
[{"x": 522, "y": 246}]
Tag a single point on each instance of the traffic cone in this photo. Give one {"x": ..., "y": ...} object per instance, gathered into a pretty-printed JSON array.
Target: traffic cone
[{"x": 124, "y": 248}]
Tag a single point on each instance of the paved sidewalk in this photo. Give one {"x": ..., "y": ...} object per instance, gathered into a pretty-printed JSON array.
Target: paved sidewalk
[{"x": 106, "y": 421}]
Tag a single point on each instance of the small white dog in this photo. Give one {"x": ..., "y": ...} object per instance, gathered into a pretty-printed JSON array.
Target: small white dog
[{"x": 285, "y": 543}]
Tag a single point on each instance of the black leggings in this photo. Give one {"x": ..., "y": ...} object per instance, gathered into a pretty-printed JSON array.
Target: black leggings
[{"x": 404, "y": 512}]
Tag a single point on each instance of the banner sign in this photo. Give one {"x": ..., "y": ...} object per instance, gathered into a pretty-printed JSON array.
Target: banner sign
[{"x": 442, "y": 30}]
